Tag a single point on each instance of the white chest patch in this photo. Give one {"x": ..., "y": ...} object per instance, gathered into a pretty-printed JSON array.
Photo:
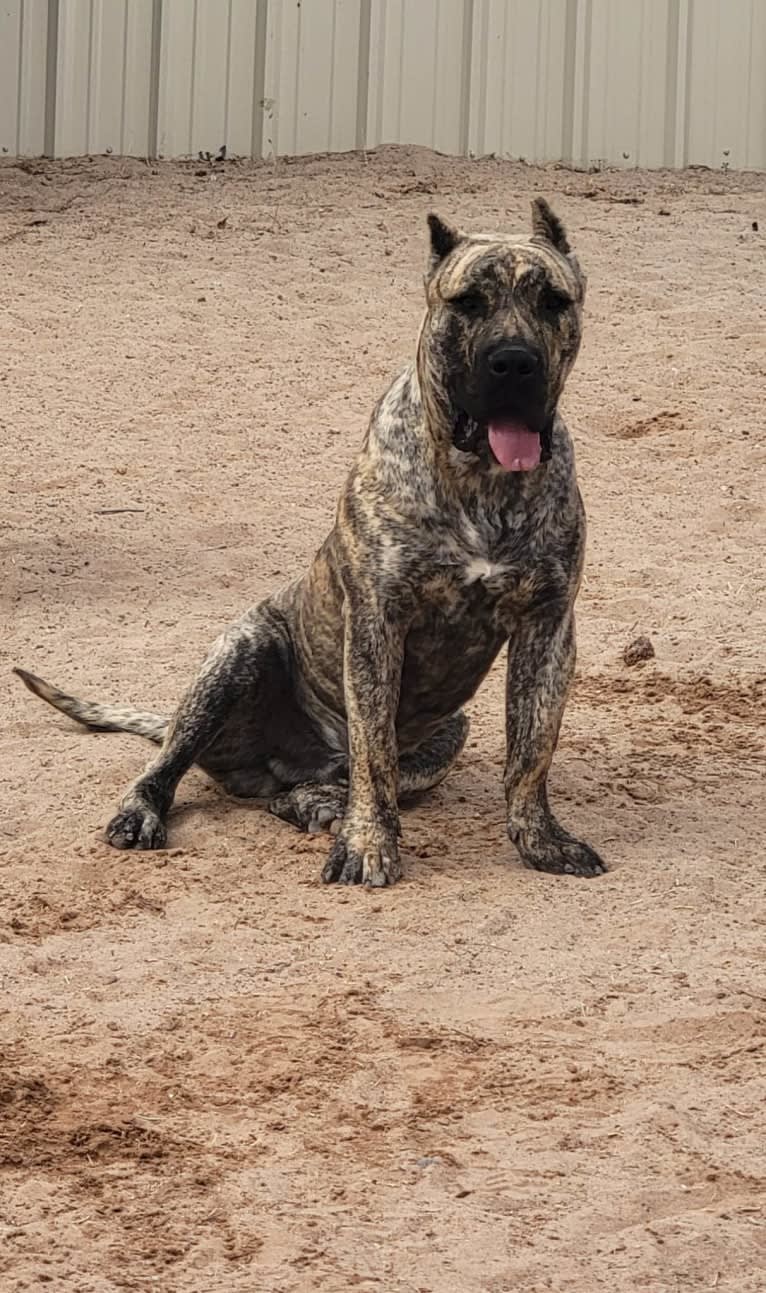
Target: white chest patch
[{"x": 481, "y": 568}]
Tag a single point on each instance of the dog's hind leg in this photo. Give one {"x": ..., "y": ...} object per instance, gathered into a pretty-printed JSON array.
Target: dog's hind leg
[
  {"x": 317, "y": 806},
  {"x": 215, "y": 725},
  {"x": 423, "y": 768}
]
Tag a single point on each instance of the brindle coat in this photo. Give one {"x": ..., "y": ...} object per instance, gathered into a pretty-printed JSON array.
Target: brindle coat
[{"x": 358, "y": 672}]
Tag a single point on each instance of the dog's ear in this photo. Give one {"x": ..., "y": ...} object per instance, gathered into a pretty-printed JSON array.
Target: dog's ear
[
  {"x": 546, "y": 224},
  {"x": 444, "y": 238}
]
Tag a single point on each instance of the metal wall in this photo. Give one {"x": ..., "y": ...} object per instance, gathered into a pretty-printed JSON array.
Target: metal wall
[{"x": 626, "y": 82}]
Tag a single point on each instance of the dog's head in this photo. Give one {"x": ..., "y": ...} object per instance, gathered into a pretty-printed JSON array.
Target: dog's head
[{"x": 501, "y": 333}]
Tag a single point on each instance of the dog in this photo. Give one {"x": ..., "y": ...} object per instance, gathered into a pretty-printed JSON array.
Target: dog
[{"x": 460, "y": 529}]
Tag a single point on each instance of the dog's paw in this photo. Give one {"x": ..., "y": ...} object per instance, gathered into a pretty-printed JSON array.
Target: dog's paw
[
  {"x": 353, "y": 862},
  {"x": 312, "y": 808},
  {"x": 558, "y": 853},
  {"x": 136, "y": 828}
]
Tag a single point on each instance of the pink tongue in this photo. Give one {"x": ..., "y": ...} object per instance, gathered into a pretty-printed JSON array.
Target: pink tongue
[{"x": 515, "y": 447}]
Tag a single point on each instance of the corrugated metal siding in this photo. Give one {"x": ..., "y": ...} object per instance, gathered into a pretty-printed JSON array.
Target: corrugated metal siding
[
  {"x": 311, "y": 76},
  {"x": 521, "y": 78},
  {"x": 622, "y": 82},
  {"x": 23, "y": 76},
  {"x": 418, "y": 69}
]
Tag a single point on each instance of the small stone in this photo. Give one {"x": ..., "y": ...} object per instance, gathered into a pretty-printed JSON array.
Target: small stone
[{"x": 638, "y": 650}]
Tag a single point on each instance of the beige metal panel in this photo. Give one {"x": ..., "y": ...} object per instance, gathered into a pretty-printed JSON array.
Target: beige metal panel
[
  {"x": 176, "y": 87},
  {"x": 10, "y": 72},
  {"x": 210, "y": 81},
  {"x": 312, "y": 76},
  {"x": 418, "y": 73},
  {"x": 119, "y": 74},
  {"x": 136, "y": 125},
  {"x": 103, "y": 77},
  {"x": 23, "y": 43},
  {"x": 754, "y": 152},
  {"x": 628, "y": 91},
  {"x": 281, "y": 78},
  {"x": 242, "y": 79},
  {"x": 347, "y": 73},
  {"x": 726, "y": 114},
  {"x": 72, "y": 78},
  {"x": 519, "y": 78},
  {"x": 210, "y": 75}
]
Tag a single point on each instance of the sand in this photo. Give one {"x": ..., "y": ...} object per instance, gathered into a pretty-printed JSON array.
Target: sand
[{"x": 217, "y": 1075}]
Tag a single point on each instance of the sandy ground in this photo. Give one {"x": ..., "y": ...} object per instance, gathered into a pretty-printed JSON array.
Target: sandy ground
[{"x": 217, "y": 1075}]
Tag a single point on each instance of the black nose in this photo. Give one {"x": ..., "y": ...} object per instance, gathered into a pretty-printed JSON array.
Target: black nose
[{"x": 516, "y": 363}]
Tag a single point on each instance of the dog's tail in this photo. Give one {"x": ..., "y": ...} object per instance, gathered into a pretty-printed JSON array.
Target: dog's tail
[{"x": 99, "y": 718}]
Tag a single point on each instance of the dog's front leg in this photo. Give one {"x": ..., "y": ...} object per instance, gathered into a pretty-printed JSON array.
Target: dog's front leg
[
  {"x": 541, "y": 659},
  {"x": 366, "y": 850}
]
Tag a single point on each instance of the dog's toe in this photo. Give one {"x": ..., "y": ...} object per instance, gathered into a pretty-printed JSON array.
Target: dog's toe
[
  {"x": 312, "y": 808},
  {"x": 567, "y": 858},
  {"x": 136, "y": 829},
  {"x": 374, "y": 867}
]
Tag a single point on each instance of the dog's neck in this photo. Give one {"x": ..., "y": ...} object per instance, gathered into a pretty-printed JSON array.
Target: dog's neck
[{"x": 437, "y": 414}]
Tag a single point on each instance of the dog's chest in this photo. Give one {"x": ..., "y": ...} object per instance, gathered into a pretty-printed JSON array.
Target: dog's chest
[
  {"x": 481, "y": 553},
  {"x": 475, "y": 568}
]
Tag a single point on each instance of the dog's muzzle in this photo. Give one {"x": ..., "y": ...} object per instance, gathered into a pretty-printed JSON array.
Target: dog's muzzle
[{"x": 504, "y": 407}]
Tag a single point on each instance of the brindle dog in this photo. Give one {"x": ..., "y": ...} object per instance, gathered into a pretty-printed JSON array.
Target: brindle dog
[{"x": 460, "y": 528}]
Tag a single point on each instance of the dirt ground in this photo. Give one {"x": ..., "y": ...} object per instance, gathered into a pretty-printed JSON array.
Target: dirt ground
[{"x": 218, "y": 1075}]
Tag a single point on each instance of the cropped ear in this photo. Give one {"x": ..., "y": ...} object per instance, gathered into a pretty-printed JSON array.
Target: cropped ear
[
  {"x": 444, "y": 239},
  {"x": 546, "y": 224}
]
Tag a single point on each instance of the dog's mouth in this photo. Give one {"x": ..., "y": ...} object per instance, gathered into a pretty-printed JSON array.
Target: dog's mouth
[
  {"x": 514, "y": 446},
  {"x": 504, "y": 440}
]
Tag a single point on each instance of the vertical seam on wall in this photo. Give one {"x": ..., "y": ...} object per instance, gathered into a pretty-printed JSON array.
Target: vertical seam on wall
[
  {"x": 51, "y": 78},
  {"x": 89, "y": 77},
  {"x": 363, "y": 75},
  {"x": 638, "y": 139},
  {"x": 192, "y": 78},
  {"x": 684, "y": 160},
  {"x": 381, "y": 59},
  {"x": 153, "y": 140},
  {"x": 259, "y": 78},
  {"x": 465, "y": 76},
  {"x": 481, "y": 138},
  {"x": 19, "y": 75},
  {"x": 536, "y": 150},
  {"x": 671, "y": 82},
  {"x": 124, "y": 78},
  {"x": 715, "y": 115},
  {"x": 227, "y": 99},
  {"x": 298, "y": 66},
  {"x": 435, "y": 90},
  {"x": 400, "y": 95},
  {"x": 587, "y": 56},
  {"x": 331, "y": 96},
  {"x": 749, "y": 89},
  {"x": 503, "y": 64},
  {"x": 568, "y": 89}
]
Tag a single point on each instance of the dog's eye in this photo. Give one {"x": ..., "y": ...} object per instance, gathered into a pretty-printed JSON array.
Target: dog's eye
[
  {"x": 468, "y": 303},
  {"x": 554, "y": 302}
]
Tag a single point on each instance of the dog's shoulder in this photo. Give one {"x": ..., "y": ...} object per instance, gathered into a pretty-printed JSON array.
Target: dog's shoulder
[{"x": 396, "y": 421}]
